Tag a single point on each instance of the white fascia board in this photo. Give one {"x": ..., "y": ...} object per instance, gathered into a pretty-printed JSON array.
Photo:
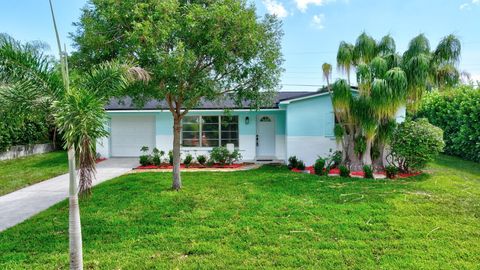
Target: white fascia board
[{"x": 302, "y": 98}]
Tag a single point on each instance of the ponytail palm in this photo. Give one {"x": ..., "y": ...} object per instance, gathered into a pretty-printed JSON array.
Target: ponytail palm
[
  {"x": 386, "y": 82},
  {"x": 327, "y": 73}
]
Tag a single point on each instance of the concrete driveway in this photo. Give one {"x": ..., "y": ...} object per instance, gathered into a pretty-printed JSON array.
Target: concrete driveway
[{"x": 19, "y": 205}]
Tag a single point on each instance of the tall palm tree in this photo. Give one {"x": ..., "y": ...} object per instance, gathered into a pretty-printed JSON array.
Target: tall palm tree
[{"x": 77, "y": 105}]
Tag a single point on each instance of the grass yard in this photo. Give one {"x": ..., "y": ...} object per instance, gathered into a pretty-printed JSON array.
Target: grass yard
[
  {"x": 265, "y": 218},
  {"x": 21, "y": 172}
]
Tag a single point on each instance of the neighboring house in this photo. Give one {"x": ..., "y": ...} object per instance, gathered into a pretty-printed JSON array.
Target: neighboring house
[{"x": 297, "y": 123}]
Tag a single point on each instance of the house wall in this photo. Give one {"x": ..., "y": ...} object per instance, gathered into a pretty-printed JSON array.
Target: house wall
[
  {"x": 309, "y": 128},
  {"x": 247, "y": 132}
]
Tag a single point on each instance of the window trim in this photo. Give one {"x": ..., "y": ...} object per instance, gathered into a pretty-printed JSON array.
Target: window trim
[{"x": 200, "y": 131}]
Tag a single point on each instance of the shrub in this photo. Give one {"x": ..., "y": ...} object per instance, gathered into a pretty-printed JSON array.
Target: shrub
[
  {"x": 145, "y": 158},
  {"x": 319, "y": 166},
  {"x": 292, "y": 162},
  {"x": 456, "y": 112},
  {"x": 300, "y": 165},
  {"x": 188, "y": 159},
  {"x": 391, "y": 171},
  {"x": 156, "y": 160},
  {"x": 202, "y": 159},
  {"x": 334, "y": 160},
  {"x": 170, "y": 157},
  {"x": 210, "y": 162},
  {"x": 344, "y": 171},
  {"x": 220, "y": 155},
  {"x": 368, "y": 171},
  {"x": 414, "y": 144},
  {"x": 234, "y": 156}
]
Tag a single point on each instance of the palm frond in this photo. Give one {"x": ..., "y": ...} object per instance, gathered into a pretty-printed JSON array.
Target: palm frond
[
  {"x": 345, "y": 58},
  {"x": 81, "y": 118},
  {"x": 364, "y": 79},
  {"x": 448, "y": 50},
  {"x": 378, "y": 67},
  {"x": 365, "y": 49},
  {"x": 386, "y": 46}
]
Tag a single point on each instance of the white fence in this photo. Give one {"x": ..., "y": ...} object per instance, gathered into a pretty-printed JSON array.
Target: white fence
[{"x": 26, "y": 150}]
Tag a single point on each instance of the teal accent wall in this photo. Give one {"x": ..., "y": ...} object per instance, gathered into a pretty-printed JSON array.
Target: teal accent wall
[{"x": 310, "y": 117}]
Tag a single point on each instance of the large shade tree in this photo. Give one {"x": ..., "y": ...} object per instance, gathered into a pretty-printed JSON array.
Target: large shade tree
[
  {"x": 194, "y": 50},
  {"x": 386, "y": 82}
]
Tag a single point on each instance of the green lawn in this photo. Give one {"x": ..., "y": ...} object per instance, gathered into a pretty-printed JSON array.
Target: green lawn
[
  {"x": 21, "y": 172},
  {"x": 265, "y": 218}
]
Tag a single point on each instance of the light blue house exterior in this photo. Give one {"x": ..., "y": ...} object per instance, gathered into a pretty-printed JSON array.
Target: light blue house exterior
[{"x": 299, "y": 123}]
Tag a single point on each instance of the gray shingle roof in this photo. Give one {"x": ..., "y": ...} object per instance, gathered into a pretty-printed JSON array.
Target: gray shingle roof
[{"x": 126, "y": 103}]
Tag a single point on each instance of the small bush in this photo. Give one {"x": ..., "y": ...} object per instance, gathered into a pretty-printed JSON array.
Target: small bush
[
  {"x": 368, "y": 171},
  {"x": 210, "y": 162},
  {"x": 156, "y": 157},
  {"x": 202, "y": 159},
  {"x": 234, "y": 156},
  {"x": 170, "y": 157},
  {"x": 145, "y": 158},
  {"x": 188, "y": 160},
  {"x": 300, "y": 165},
  {"x": 391, "y": 171},
  {"x": 319, "y": 165},
  {"x": 344, "y": 171},
  {"x": 292, "y": 162},
  {"x": 414, "y": 144},
  {"x": 220, "y": 155}
]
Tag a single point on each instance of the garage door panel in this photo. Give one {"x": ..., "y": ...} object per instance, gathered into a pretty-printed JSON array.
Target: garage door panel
[{"x": 130, "y": 133}]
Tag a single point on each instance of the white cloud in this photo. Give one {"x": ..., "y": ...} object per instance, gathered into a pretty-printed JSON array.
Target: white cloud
[
  {"x": 468, "y": 5},
  {"x": 464, "y": 6},
  {"x": 302, "y": 5},
  {"x": 275, "y": 8},
  {"x": 318, "y": 21}
]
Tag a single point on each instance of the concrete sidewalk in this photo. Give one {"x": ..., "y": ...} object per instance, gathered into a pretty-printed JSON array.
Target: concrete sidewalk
[{"x": 19, "y": 205}]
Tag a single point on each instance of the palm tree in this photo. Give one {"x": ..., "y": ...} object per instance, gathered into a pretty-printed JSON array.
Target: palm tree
[
  {"x": 77, "y": 106},
  {"x": 386, "y": 82},
  {"x": 327, "y": 73}
]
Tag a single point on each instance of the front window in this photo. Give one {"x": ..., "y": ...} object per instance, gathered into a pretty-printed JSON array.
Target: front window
[{"x": 209, "y": 131}]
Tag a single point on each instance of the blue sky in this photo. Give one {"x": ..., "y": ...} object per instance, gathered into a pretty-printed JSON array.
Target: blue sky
[{"x": 313, "y": 28}]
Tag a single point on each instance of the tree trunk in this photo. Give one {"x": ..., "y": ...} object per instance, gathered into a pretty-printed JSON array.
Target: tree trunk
[
  {"x": 177, "y": 128},
  {"x": 378, "y": 162},
  {"x": 75, "y": 227},
  {"x": 367, "y": 155},
  {"x": 354, "y": 161}
]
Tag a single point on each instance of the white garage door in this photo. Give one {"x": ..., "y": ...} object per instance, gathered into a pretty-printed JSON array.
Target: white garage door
[{"x": 130, "y": 133}]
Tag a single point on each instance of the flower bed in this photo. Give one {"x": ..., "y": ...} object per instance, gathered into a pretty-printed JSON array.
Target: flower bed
[
  {"x": 98, "y": 160},
  {"x": 336, "y": 171},
  {"x": 192, "y": 166}
]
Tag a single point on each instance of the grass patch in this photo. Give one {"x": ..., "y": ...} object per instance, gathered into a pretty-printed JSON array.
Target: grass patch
[
  {"x": 264, "y": 218},
  {"x": 21, "y": 172}
]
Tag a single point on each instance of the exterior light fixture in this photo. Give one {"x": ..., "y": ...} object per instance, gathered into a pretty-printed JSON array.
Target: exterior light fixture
[{"x": 247, "y": 120}]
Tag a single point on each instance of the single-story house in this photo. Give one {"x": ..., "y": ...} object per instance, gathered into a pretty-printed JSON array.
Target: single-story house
[{"x": 297, "y": 123}]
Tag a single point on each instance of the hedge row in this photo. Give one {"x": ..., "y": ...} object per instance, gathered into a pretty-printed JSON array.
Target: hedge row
[
  {"x": 457, "y": 112},
  {"x": 15, "y": 131}
]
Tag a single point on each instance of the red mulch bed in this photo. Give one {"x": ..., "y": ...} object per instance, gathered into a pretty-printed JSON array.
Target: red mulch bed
[
  {"x": 192, "y": 166},
  {"x": 356, "y": 173},
  {"x": 98, "y": 160}
]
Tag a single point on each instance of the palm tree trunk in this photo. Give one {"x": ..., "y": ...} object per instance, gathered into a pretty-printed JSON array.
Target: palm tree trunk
[
  {"x": 177, "y": 128},
  {"x": 367, "y": 155},
  {"x": 75, "y": 227}
]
